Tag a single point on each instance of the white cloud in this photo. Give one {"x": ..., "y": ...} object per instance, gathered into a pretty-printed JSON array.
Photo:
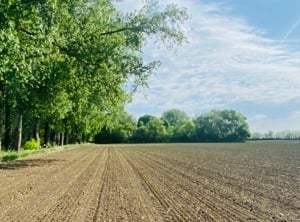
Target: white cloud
[{"x": 226, "y": 61}]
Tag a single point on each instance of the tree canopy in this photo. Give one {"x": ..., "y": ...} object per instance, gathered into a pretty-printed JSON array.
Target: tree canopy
[
  {"x": 64, "y": 64},
  {"x": 174, "y": 117},
  {"x": 176, "y": 126},
  {"x": 150, "y": 129},
  {"x": 222, "y": 126}
]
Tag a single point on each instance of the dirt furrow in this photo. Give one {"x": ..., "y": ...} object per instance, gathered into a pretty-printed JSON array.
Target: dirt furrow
[
  {"x": 41, "y": 190},
  {"x": 67, "y": 205},
  {"x": 103, "y": 199},
  {"x": 148, "y": 183},
  {"x": 90, "y": 204},
  {"x": 180, "y": 199},
  {"x": 149, "y": 210},
  {"x": 258, "y": 181},
  {"x": 220, "y": 195},
  {"x": 173, "y": 209},
  {"x": 12, "y": 181},
  {"x": 158, "y": 198},
  {"x": 127, "y": 193},
  {"x": 193, "y": 195},
  {"x": 231, "y": 195},
  {"x": 116, "y": 211}
]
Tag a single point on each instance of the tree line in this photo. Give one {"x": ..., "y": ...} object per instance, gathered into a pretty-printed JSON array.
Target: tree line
[
  {"x": 175, "y": 126},
  {"x": 281, "y": 135},
  {"x": 64, "y": 65}
]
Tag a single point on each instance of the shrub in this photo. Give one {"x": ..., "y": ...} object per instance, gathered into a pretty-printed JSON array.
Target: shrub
[
  {"x": 32, "y": 145},
  {"x": 10, "y": 157}
]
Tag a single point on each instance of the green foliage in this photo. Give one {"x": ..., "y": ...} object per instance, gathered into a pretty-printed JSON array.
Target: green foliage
[
  {"x": 281, "y": 135},
  {"x": 144, "y": 120},
  {"x": 222, "y": 126},
  {"x": 175, "y": 117},
  {"x": 151, "y": 129},
  {"x": 10, "y": 156},
  {"x": 186, "y": 132},
  {"x": 13, "y": 155},
  {"x": 175, "y": 126},
  {"x": 32, "y": 145},
  {"x": 179, "y": 126},
  {"x": 65, "y": 63},
  {"x": 121, "y": 131},
  {"x": 157, "y": 130}
]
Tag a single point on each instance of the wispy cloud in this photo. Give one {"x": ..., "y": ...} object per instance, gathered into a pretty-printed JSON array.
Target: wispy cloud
[{"x": 226, "y": 61}]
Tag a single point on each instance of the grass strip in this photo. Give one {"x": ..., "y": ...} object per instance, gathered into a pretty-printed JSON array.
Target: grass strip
[{"x": 6, "y": 156}]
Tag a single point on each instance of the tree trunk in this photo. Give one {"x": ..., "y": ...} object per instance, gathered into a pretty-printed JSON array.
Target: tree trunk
[
  {"x": 54, "y": 139},
  {"x": 36, "y": 129},
  {"x": 3, "y": 91},
  {"x": 83, "y": 138},
  {"x": 18, "y": 131},
  {"x": 47, "y": 134},
  {"x": 57, "y": 138},
  {"x": 62, "y": 135},
  {"x": 7, "y": 127},
  {"x": 2, "y": 117},
  {"x": 66, "y": 138}
]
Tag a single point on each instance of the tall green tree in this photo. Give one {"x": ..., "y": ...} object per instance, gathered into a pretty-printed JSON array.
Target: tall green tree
[
  {"x": 75, "y": 55},
  {"x": 21, "y": 52},
  {"x": 151, "y": 129},
  {"x": 119, "y": 131},
  {"x": 185, "y": 132},
  {"x": 175, "y": 117},
  {"x": 222, "y": 126}
]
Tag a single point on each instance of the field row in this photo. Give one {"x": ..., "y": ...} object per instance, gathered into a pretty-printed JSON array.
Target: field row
[{"x": 182, "y": 182}]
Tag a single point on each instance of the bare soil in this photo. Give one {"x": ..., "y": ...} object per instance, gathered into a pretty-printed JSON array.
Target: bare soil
[{"x": 171, "y": 182}]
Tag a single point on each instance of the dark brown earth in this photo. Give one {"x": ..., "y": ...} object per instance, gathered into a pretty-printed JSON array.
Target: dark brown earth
[{"x": 173, "y": 182}]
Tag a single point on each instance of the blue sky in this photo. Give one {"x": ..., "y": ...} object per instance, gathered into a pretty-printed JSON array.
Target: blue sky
[{"x": 241, "y": 55}]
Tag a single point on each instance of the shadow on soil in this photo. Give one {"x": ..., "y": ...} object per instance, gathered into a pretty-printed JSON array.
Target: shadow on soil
[{"x": 18, "y": 164}]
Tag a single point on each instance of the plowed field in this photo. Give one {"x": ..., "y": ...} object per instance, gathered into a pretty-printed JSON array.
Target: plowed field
[{"x": 172, "y": 182}]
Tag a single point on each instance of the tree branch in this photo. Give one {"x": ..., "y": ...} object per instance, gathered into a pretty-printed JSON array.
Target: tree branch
[
  {"x": 136, "y": 29},
  {"x": 28, "y": 32}
]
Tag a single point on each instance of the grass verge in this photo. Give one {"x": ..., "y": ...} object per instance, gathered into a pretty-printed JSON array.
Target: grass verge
[{"x": 6, "y": 156}]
